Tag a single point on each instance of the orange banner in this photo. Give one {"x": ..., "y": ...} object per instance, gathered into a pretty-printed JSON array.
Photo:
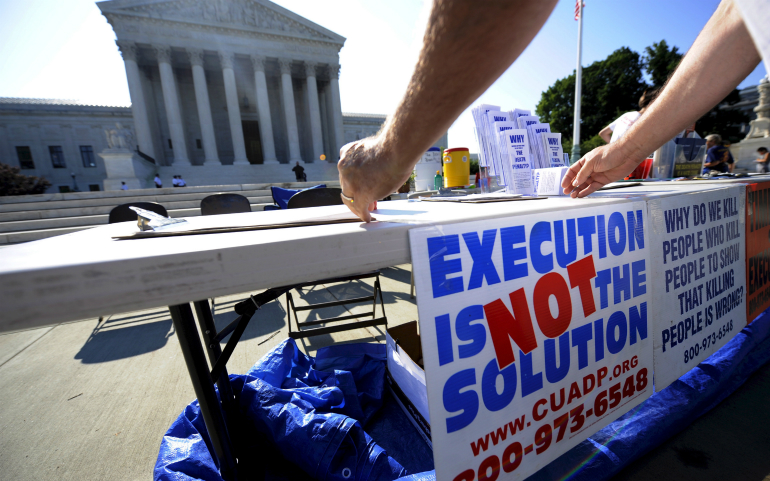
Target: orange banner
[{"x": 757, "y": 249}]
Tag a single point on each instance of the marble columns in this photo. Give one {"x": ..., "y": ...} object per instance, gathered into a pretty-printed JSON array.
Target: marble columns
[
  {"x": 314, "y": 110},
  {"x": 334, "y": 83},
  {"x": 138, "y": 103},
  {"x": 233, "y": 109},
  {"x": 171, "y": 100},
  {"x": 287, "y": 90},
  {"x": 204, "y": 107},
  {"x": 263, "y": 108}
]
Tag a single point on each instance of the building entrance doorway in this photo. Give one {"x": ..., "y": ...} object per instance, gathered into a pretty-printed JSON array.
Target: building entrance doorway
[{"x": 253, "y": 142}]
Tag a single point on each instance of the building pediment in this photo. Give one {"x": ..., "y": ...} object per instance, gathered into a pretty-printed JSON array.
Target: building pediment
[{"x": 255, "y": 16}]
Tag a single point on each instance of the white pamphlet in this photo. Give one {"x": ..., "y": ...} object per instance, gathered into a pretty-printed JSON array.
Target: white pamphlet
[
  {"x": 482, "y": 134},
  {"x": 516, "y": 113},
  {"x": 526, "y": 120},
  {"x": 493, "y": 150},
  {"x": 536, "y": 145},
  {"x": 553, "y": 149},
  {"x": 548, "y": 181},
  {"x": 519, "y": 162},
  {"x": 500, "y": 152}
]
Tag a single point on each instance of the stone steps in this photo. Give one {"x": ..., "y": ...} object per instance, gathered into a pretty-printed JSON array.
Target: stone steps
[
  {"x": 28, "y": 218},
  {"x": 185, "y": 209},
  {"x": 21, "y": 199},
  {"x": 113, "y": 201},
  {"x": 46, "y": 212},
  {"x": 26, "y": 236}
]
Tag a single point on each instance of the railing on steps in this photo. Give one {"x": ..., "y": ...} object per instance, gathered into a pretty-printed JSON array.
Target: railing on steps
[{"x": 145, "y": 156}]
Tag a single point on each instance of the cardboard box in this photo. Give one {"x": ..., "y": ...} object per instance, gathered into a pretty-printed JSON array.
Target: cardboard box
[{"x": 405, "y": 376}]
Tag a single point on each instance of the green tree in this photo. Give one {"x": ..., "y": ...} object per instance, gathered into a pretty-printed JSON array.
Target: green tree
[
  {"x": 611, "y": 87},
  {"x": 14, "y": 183},
  {"x": 660, "y": 61}
]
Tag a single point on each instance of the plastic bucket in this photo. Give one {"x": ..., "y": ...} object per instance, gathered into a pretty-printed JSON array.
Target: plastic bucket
[
  {"x": 425, "y": 169},
  {"x": 457, "y": 167}
]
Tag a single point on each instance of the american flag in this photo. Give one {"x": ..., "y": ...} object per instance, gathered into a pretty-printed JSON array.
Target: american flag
[{"x": 577, "y": 8}]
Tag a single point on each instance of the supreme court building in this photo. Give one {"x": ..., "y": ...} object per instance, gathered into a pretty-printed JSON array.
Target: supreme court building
[{"x": 220, "y": 89}]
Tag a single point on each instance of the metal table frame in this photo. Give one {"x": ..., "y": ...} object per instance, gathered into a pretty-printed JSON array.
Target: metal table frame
[{"x": 220, "y": 412}]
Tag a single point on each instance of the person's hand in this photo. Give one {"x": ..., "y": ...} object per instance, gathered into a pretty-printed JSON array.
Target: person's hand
[
  {"x": 368, "y": 172},
  {"x": 596, "y": 169}
]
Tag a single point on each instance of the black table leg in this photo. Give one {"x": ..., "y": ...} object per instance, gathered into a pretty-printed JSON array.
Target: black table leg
[
  {"x": 209, "y": 330},
  {"x": 190, "y": 342}
]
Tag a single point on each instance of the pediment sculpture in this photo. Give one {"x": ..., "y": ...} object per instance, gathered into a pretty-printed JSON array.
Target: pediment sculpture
[{"x": 242, "y": 13}]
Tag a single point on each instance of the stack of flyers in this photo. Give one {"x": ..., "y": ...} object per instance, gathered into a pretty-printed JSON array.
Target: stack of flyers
[
  {"x": 517, "y": 163},
  {"x": 499, "y": 149},
  {"x": 539, "y": 158},
  {"x": 516, "y": 113},
  {"x": 553, "y": 150},
  {"x": 495, "y": 117},
  {"x": 482, "y": 134},
  {"x": 526, "y": 120}
]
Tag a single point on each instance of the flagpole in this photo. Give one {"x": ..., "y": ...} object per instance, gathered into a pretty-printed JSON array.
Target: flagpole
[{"x": 578, "y": 88}]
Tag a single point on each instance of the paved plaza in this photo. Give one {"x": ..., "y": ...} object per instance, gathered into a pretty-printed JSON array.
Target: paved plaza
[{"x": 82, "y": 401}]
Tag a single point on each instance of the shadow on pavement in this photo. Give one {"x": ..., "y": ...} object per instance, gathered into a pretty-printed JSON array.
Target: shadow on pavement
[
  {"x": 270, "y": 318},
  {"x": 113, "y": 340}
]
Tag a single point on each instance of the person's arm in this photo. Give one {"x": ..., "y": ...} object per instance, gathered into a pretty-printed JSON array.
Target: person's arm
[
  {"x": 693, "y": 90},
  {"x": 711, "y": 160},
  {"x": 606, "y": 134},
  {"x": 467, "y": 46},
  {"x": 728, "y": 158}
]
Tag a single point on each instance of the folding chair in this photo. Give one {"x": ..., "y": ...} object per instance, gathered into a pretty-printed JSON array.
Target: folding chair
[
  {"x": 122, "y": 213},
  {"x": 317, "y": 198},
  {"x": 216, "y": 204},
  {"x": 224, "y": 204}
]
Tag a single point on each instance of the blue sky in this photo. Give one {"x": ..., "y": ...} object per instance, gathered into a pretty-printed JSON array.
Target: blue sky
[{"x": 65, "y": 49}]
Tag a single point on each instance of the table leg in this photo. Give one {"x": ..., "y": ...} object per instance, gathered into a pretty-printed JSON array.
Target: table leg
[
  {"x": 190, "y": 342},
  {"x": 209, "y": 330}
]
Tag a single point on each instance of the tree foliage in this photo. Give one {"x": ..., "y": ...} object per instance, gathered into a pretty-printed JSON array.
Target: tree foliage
[
  {"x": 611, "y": 87},
  {"x": 660, "y": 62},
  {"x": 14, "y": 183}
]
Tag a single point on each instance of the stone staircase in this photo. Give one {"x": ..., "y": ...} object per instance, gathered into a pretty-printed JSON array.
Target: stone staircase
[{"x": 26, "y": 218}]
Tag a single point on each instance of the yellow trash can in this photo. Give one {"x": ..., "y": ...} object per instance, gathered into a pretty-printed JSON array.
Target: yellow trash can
[{"x": 457, "y": 167}]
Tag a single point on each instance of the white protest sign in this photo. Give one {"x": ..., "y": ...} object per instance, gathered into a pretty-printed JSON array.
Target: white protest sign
[
  {"x": 526, "y": 354},
  {"x": 699, "y": 276}
]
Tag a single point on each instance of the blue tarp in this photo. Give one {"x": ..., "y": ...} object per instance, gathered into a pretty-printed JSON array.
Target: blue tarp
[
  {"x": 281, "y": 196},
  {"x": 312, "y": 410}
]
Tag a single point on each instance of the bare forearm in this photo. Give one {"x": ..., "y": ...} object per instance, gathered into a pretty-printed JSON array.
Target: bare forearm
[
  {"x": 468, "y": 45},
  {"x": 721, "y": 57}
]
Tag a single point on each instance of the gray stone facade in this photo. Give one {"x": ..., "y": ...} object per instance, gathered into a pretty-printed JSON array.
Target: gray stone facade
[{"x": 43, "y": 124}]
